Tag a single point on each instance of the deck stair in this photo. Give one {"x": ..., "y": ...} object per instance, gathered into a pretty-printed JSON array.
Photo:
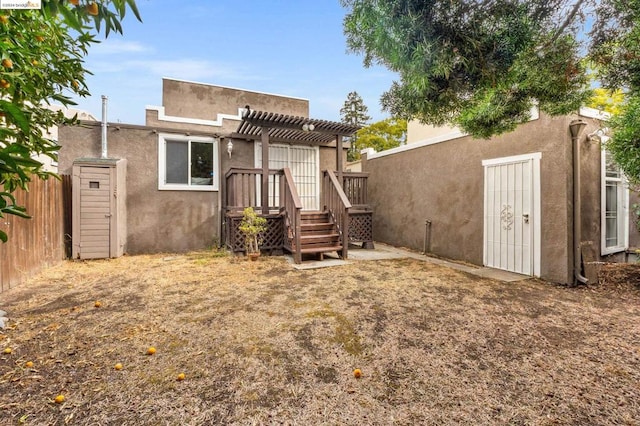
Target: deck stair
[{"x": 318, "y": 234}]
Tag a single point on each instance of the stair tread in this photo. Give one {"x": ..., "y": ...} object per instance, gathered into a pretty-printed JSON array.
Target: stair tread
[
  {"x": 317, "y": 236},
  {"x": 320, "y": 249},
  {"x": 316, "y": 225}
]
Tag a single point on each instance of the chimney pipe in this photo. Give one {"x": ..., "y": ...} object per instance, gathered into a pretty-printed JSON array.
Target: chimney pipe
[{"x": 104, "y": 126}]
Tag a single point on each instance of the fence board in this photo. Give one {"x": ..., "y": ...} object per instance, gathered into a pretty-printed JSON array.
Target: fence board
[{"x": 37, "y": 242}]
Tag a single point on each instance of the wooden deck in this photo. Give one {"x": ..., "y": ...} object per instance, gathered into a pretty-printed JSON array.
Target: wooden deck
[{"x": 289, "y": 228}]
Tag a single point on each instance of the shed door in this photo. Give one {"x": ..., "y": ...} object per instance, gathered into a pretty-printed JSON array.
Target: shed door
[
  {"x": 509, "y": 217},
  {"x": 95, "y": 212}
]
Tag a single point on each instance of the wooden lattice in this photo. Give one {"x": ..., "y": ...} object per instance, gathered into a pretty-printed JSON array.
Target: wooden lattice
[
  {"x": 361, "y": 227},
  {"x": 272, "y": 239}
]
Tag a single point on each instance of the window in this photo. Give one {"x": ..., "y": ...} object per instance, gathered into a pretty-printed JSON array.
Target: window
[
  {"x": 615, "y": 215},
  {"x": 187, "y": 163}
]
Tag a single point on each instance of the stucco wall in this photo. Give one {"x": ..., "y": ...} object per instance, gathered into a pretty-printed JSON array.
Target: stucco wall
[
  {"x": 417, "y": 131},
  {"x": 444, "y": 183},
  {"x": 208, "y": 102},
  {"x": 158, "y": 221}
]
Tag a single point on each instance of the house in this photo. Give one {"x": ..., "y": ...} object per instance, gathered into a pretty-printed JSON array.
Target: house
[
  {"x": 188, "y": 172},
  {"x": 510, "y": 202}
]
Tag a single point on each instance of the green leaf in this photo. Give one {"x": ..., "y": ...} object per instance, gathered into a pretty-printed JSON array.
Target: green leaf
[
  {"x": 17, "y": 114},
  {"x": 71, "y": 18},
  {"x": 134, "y": 9},
  {"x": 17, "y": 211}
]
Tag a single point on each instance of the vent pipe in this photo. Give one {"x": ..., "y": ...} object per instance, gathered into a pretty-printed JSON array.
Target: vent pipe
[{"x": 104, "y": 126}]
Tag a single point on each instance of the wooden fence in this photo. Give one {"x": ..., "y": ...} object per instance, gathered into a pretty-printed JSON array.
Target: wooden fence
[{"x": 40, "y": 241}]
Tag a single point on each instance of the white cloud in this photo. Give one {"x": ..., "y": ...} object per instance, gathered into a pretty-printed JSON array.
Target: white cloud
[
  {"x": 185, "y": 69},
  {"x": 116, "y": 47}
]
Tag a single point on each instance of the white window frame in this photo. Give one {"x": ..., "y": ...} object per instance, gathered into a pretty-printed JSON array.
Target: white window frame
[
  {"x": 163, "y": 138},
  {"x": 622, "y": 212}
]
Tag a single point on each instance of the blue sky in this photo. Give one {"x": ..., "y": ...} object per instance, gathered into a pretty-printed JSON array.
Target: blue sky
[{"x": 295, "y": 48}]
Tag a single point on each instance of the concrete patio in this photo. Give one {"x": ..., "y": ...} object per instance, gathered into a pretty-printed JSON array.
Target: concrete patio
[{"x": 384, "y": 251}]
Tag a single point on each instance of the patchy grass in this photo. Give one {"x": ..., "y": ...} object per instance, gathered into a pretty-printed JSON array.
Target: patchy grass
[{"x": 262, "y": 343}]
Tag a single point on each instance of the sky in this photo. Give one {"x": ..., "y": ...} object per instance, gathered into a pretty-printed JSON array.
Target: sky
[{"x": 287, "y": 47}]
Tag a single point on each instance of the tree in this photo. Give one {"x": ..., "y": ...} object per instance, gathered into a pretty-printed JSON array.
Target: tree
[
  {"x": 477, "y": 64},
  {"x": 354, "y": 112},
  {"x": 381, "y": 135},
  {"x": 610, "y": 101},
  {"x": 482, "y": 64},
  {"x": 624, "y": 144},
  {"x": 42, "y": 55}
]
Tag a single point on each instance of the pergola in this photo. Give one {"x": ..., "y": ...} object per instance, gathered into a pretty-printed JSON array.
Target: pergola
[{"x": 280, "y": 128}]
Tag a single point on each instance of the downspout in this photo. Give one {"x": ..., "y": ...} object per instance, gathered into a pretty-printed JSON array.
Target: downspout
[
  {"x": 576, "y": 127},
  {"x": 104, "y": 126}
]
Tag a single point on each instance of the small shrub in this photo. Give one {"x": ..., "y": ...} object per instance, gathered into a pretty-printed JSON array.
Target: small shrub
[{"x": 252, "y": 226}]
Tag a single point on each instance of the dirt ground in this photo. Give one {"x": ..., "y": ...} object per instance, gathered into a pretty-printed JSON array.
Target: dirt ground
[{"x": 263, "y": 343}]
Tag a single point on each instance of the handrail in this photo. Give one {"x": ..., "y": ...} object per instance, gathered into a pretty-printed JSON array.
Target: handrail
[
  {"x": 237, "y": 170},
  {"x": 242, "y": 188},
  {"x": 354, "y": 184},
  {"x": 292, "y": 207},
  {"x": 335, "y": 201},
  {"x": 356, "y": 174}
]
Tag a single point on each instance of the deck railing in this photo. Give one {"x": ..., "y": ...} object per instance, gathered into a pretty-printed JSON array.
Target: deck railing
[
  {"x": 243, "y": 188},
  {"x": 292, "y": 209},
  {"x": 355, "y": 187},
  {"x": 335, "y": 201},
  {"x": 348, "y": 207}
]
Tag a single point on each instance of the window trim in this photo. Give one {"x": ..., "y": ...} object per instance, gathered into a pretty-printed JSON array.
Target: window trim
[
  {"x": 623, "y": 208},
  {"x": 163, "y": 138}
]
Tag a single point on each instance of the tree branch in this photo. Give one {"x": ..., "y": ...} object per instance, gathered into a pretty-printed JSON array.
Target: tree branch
[{"x": 566, "y": 22}]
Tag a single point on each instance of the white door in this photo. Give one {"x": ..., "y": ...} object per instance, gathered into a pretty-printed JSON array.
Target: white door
[
  {"x": 511, "y": 210},
  {"x": 304, "y": 164}
]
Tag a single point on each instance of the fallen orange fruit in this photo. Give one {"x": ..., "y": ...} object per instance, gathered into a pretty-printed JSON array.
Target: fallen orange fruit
[
  {"x": 59, "y": 399},
  {"x": 97, "y": 304},
  {"x": 151, "y": 351},
  {"x": 180, "y": 377},
  {"x": 7, "y": 350},
  {"x": 118, "y": 366},
  {"x": 357, "y": 373},
  {"x": 28, "y": 364}
]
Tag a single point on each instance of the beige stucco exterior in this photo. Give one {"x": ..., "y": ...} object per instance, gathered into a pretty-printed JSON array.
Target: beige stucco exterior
[
  {"x": 443, "y": 183},
  {"x": 417, "y": 131},
  {"x": 208, "y": 108},
  {"x": 177, "y": 221}
]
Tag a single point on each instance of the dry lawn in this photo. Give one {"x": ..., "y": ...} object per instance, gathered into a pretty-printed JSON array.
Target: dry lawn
[{"x": 262, "y": 343}]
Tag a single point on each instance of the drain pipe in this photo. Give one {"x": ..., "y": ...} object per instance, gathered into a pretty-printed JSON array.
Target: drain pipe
[
  {"x": 576, "y": 127},
  {"x": 104, "y": 126}
]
